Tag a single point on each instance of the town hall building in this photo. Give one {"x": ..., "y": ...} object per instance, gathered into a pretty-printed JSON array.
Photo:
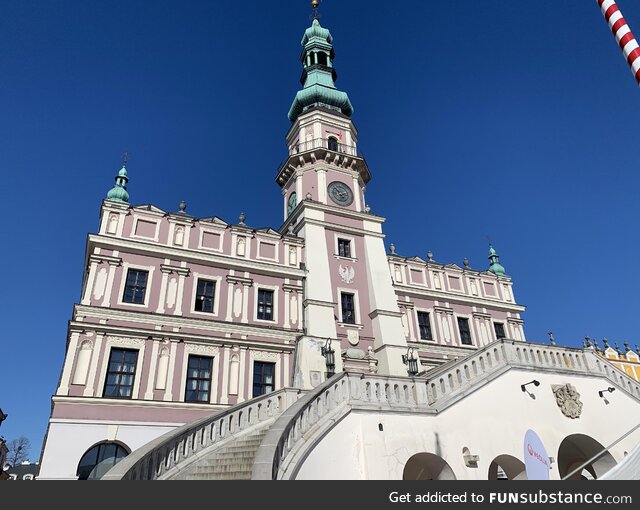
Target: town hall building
[{"x": 205, "y": 348}]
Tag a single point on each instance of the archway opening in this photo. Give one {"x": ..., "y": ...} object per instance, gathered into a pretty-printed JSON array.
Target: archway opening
[
  {"x": 427, "y": 466},
  {"x": 577, "y": 449},
  {"x": 507, "y": 467},
  {"x": 333, "y": 144},
  {"x": 98, "y": 459}
]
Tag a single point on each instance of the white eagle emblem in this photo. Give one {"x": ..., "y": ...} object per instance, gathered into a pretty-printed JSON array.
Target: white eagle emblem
[{"x": 347, "y": 274}]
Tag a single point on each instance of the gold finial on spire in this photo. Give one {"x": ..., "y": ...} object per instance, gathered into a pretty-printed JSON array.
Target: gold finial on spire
[{"x": 314, "y": 5}]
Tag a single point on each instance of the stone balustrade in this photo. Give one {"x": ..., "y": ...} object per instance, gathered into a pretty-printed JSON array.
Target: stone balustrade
[
  {"x": 295, "y": 430},
  {"x": 299, "y": 418},
  {"x": 168, "y": 452}
]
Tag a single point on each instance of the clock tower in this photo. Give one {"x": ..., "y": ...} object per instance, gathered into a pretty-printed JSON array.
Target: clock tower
[{"x": 350, "y": 306}]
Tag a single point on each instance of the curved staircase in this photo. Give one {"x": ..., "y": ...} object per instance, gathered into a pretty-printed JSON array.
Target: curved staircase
[{"x": 270, "y": 436}]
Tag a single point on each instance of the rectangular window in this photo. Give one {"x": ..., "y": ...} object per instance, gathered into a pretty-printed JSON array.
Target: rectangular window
[
  {"x": 121, "y": 373},
  {"x": 265, "y": 305},
  {"x": 198, "y": 379},
  {"x": 465, "y": 332},
  {"x": 425, "y": 326},
  {"x": 344, "y": 248},
  {"x": 499, "y": 328},
  {"x": 135, "y": 286},
  {"x": 263, "y": 378},
  {"x": 205, "y": 293},
  {"x": 348, "y": 308}
]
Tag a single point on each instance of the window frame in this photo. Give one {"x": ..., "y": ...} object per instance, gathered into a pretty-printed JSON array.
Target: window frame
[
  {"x": 201, "y": 298},
  {"x": 342, "y": 244},
  {"x": 135, "y": 287},
  {"x": 468, "y": 330},
  {"x": 126, "y": 266},
  {"x": 262, "y": 384},
  {"x": 274, "y": 299},
  {"x": 209, "y": 380},
  {"x": 353, "y": 306},
  {"x": 121, "y": 373},
  {"x": 352, "y": 247},
  {"x": 428, "y": 314}
]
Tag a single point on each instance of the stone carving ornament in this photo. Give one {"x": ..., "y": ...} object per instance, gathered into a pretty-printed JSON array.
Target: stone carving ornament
[
  {"x": 568, "y": 400},
  {"x": 347, "y": 274}
]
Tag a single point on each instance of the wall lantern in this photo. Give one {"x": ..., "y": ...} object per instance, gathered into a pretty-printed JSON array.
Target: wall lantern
[
  {"x": 411, "y": 361},
  {"x": 610, "y": 389},
  {"x": 329, "y": 356},
  {"x": 534, "y": 382}
]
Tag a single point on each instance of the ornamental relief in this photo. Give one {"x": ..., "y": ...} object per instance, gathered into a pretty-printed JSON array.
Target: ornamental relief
[
  {"x": 100, "y": 284},
  {"x": 126, "y": 342},
  {"x": 347, "y": 274},
  {"x": 264, "y": 356},
  {"x": 210, "y": 350},
  {"x": 568, "y": 400}
]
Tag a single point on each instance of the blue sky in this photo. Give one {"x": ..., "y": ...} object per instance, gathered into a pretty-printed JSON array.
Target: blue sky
[{"x": 514, "y": 120}]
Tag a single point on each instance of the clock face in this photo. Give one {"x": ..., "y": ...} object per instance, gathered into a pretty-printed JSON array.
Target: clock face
[
  {"x": 340, "y": 193},
  {"x": 293, "y": 202}
]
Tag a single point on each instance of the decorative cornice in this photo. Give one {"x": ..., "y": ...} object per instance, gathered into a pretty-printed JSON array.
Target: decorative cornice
[
  {"x": 210, "y": 350},
  {"x": 481, "y": 315},
  {"x": 337, "y": 228},
  {"x": 239, "y": 279},
  {"x": 264, "y": 355},
  {"x": 463, "y": 299},
  {"x": 291, "y": 288},
  {"x": 152, "y": 320},
  {"x": 112, "y": 261},
  {"x": 443, "y": 309},
  {"x": 126, "y": 341},
  {"x": 384, "y": 313},
  {"x": 195, "y": 256},
  {"x": 183, "y": 271},
  {"x": 316, "y": 302}
]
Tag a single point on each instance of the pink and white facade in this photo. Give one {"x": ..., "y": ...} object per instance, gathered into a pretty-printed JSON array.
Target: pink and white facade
[{"x": 274, "y": 297}]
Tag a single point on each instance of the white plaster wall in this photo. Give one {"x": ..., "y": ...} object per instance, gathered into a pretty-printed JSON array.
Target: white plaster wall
[
  {"x": 490, "y": 422},
  {"x": 67, "y": 443}
]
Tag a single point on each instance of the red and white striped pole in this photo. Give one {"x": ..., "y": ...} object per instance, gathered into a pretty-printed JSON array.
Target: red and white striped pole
[{"x": 623, "y": 35}]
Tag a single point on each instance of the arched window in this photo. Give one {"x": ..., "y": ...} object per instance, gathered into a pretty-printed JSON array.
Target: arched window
[
  {"x": 333, "y": 144},
  {"x": 99, "y": 459},
  {"x": 322, "y": 58}
]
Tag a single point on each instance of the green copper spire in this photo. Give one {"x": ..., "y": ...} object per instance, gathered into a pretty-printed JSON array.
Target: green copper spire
[
  {"x": 119, "y": 191},
  {"x": 319, "y": 76},
  {"x": 495, "y": 267}
]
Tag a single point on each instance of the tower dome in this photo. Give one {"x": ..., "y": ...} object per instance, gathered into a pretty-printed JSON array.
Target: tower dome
[
  {"x": 119, "y": 191},
  {"x": 319, "y": 76}
]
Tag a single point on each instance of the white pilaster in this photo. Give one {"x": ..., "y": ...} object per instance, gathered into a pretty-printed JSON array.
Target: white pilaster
[
  {"x": 178, "y": 308},
  {"x": 356, "y": 194},
  {"x": 245, "y": 305},
  {"x": 106, "y": 300},
  {"x": 70, "y": 358},
  {"x": 224, "y": 398},
  {"x": 148, "y": 394},
  {"x": 163, "y": 288},
  {"x": 86, "y": 299},
  {"x": 230, "y": 298},
  {"x": 89, "y": 390},
  {"x": 243, "y": 373},
  {"x": 322, "y": 185},
  {"x": 168, "y": 396}
]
